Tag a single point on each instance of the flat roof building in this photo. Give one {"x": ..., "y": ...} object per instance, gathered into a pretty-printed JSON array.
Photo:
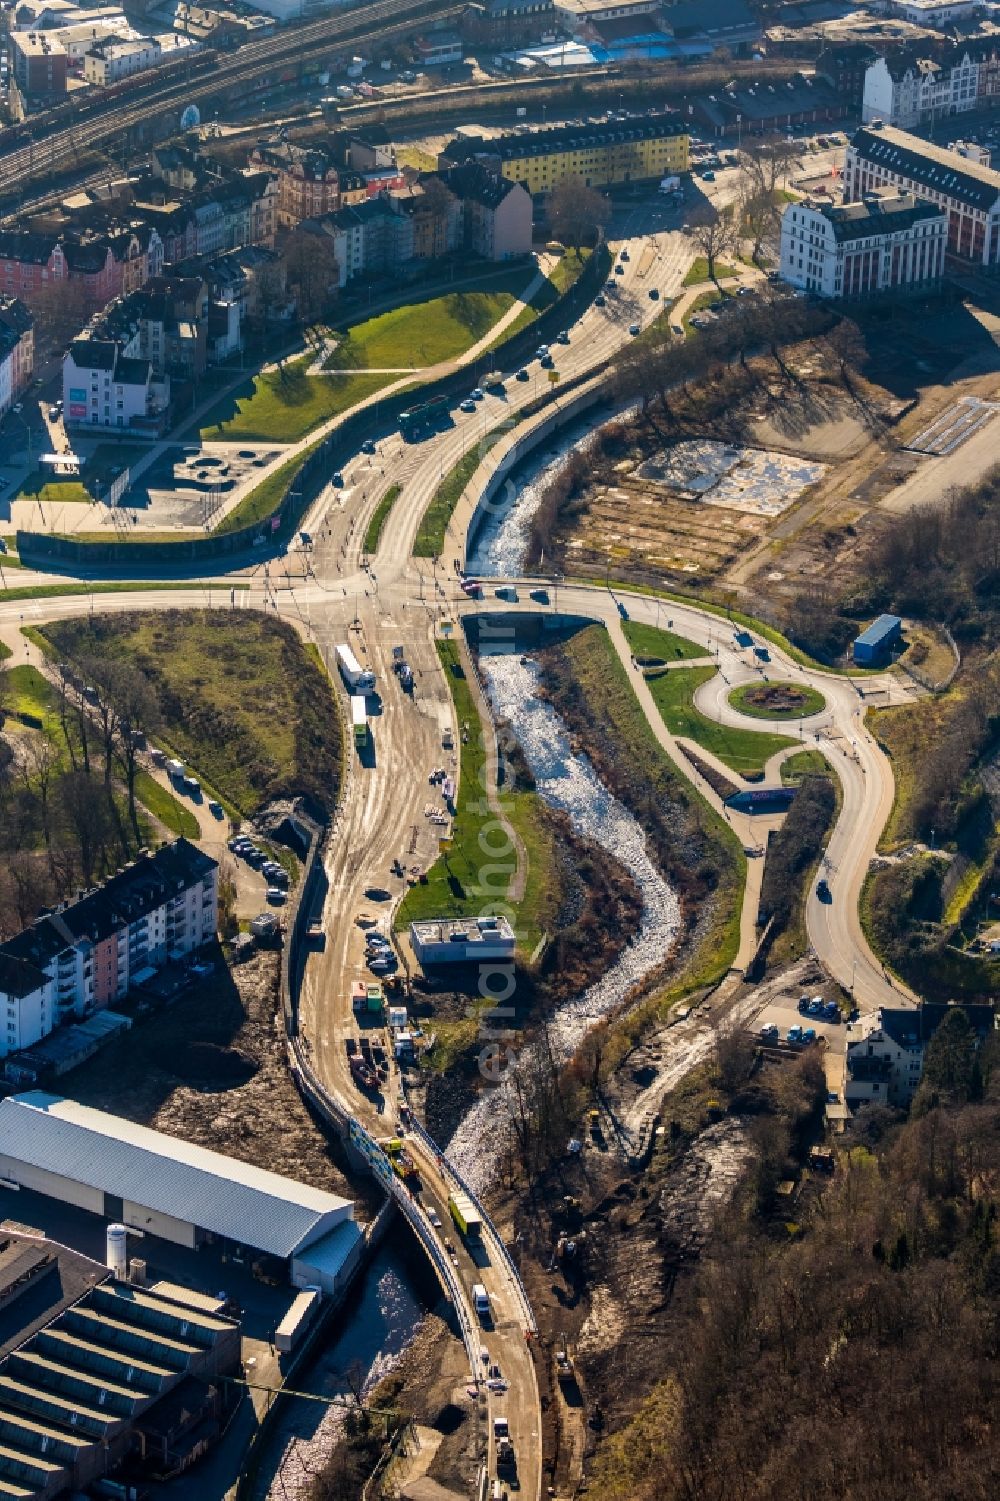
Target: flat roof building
[
  {"x": 602, "y": 153},
  {"x": 876, "y": 642},
  {"x": 164, "y": 1186},
  {"x": 462, "y": 940}
]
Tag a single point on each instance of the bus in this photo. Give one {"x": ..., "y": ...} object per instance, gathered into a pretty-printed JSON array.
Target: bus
[{"x": 359, "y": 719}]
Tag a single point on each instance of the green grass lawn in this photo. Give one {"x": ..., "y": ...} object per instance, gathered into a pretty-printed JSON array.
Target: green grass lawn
[
  {"x": 39, "y": 486},
  {"x": 805, "y": 763},
  {"x": 424, "y": 333},
  {"x": 699, "y": 271},
  {"x": 434, "y": 523},
  {"x": 744, "y": 751},
  {"x": 379, "y": 517},
  {"x": 264, "y": 498},
  {"x": 241, "y": 701},
  {"x": 650, "y": 641},
  {"x": 807, "y": 701},
  {"x": 563, "y": 275},
  {"x": 701, "y": 302},
  {"x": 454, "y": 881},
  {"x": 56, "y": 591},
  {"x": 164, "y": 806},
  {"x": 281, "y": 406}
]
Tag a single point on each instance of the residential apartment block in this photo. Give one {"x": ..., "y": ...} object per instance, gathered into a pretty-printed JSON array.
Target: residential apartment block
[
  {"x": 602, "y": 154},
  {"x": 88, "y": 954},
  {"x": 885, "y": 1057},
  {"x": 886, "y": 243},
  {"x": 17, "y": 350},
  {"x": 106, "y": 388},
  {"x": 308, "y": 179},
  {"x": 966, "y": 191},
  {"x": 79, "y": 270},
  {"x": 909, "y": 90}
]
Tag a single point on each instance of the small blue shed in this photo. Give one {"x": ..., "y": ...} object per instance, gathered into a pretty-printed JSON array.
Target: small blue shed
[{"x": 875, "y": 643}]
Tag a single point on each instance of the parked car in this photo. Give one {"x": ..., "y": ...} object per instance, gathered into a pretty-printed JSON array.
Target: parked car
[
  {"x": 547, "y": 362},
  {"x": 795, "y": 1034},
  {"x": 467, "y": 406},
  {"x": 619, "y": 270},
  {"x": 625, "y": 255},
  {"x": 634, "y": 329},
  {"x": 216, "y": 809},
  {"x": 809, "y": 1035},
  {"x": 477, "y": 393},
  {"x": 522, "y": 375},
  {"x": 654, "y": 294},
  {"x": 338, "y": 481},
  {"x": 769, "y": 1032},
  {"x": 562, "y": 337},
  {"x": 599, "y": 300},
  {"x": 368, "y": 446},
  {"x": 275, "y": 896}
]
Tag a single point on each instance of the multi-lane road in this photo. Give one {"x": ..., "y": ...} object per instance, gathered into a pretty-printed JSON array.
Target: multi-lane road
[{"x": 398, "y": 600}]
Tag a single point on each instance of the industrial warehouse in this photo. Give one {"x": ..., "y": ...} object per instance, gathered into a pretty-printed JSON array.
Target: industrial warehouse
[{"x": 161, "y": 1186}]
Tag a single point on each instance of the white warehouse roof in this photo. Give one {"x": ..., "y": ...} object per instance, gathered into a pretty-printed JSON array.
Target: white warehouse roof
[{"x": 173, "y": 1177}]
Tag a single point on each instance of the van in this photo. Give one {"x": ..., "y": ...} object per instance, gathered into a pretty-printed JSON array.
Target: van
[{"x": 481, "y": 1301}]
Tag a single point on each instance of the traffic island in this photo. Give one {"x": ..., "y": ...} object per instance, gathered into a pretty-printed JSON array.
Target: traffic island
[{"x": 777, "y": 700}]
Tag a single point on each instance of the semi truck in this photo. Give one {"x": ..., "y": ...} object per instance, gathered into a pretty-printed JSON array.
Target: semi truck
[
  {"x": 357, "y": 678},
  {"x": 466, "y": 1215},
  {"x": 359, "y": 719}
]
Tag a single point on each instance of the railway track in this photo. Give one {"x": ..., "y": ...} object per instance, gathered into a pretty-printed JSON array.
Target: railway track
[{"x": 63, "y": 143}]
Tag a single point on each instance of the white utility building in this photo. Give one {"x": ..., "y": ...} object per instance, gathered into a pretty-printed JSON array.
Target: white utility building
[
  {"x": 167, "y": 1187},
  {"x": 462, "y": 940}
]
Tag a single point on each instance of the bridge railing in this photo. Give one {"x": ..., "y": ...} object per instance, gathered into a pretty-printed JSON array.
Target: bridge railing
[{"x": 452, "y": 1172}]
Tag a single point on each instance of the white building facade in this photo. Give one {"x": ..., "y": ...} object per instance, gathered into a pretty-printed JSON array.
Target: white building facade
[
  {"x": 885, "y": 243},
  {"x": 919, "y": 91}
]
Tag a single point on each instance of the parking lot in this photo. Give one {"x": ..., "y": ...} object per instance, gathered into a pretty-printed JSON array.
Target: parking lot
[{"x": 783, "y": 1013}]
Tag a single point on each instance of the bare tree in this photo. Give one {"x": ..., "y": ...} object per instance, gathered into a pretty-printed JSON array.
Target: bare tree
[
  {"x": 85, "y": 807},
  {"x": 715, "y": 233},
  {"x": 37, "y": 765},
  {"x": 137, "y": 715},
  {"x": 576, "y": 213},
  {"x": 312, "y": 273}
]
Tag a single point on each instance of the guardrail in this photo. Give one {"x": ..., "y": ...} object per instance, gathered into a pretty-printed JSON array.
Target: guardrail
[{"x": 452, "y": 1172}]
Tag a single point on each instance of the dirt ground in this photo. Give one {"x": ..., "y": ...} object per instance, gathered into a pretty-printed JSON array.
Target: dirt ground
[
  {"x": 920, "y": 361},
  {"x": 211, "y": 1068}
]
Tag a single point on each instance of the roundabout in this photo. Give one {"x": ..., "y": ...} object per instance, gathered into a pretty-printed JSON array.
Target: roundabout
[{"x": 765, "y": 700}]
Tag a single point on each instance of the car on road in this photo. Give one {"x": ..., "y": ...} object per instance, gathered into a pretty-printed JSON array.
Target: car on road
[
  {"x": 599, "y": 300},
  {"x": 634, "y": 329},
  {"x": 467, "y": 406},
  {"x": 216, "y": 809},
  {"x": 54, "y": 414},
  {"x": 434, "y": 1218},
  {"x": 823, "y": 890},
  {"x": 654, "y": 294},
  {"x": 522, "y": 375},
  {"x": 368, "y": 446}
]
